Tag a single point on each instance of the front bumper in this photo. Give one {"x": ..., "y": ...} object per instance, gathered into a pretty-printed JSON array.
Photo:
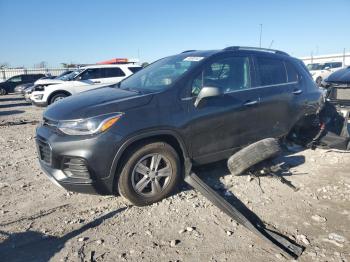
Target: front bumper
[
  {"x": 76, "y": 163},
  {"x": 39, "y": 104},
  {"x": 38, "y": 98}
]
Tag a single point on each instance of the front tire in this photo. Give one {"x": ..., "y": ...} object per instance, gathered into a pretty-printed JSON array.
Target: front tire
[
  {"x": 57, "y": 97},
  {"x": 151, "y": 172}
]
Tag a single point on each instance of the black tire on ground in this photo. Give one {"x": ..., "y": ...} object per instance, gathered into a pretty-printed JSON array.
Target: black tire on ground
[
  {"x": 252, "y": 155},
  {"x": 319, "y": 81},
  {"x": 127, "y": 184},
  {"x": 3, "y": 91},
  {"x": 57, "y": 97}
]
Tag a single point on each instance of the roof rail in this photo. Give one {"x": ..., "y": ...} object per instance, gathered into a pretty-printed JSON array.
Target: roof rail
[
  {"x": 186, "y": 51},
  {"x": 233, "y": 48}
]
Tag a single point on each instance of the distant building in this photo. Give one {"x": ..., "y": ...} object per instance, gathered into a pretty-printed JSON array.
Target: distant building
[{"x": 341, "y": 57}]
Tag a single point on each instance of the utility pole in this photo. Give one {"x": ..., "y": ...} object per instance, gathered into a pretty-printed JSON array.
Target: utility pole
[
  {"x": 260, "y": 35},
  {"x": 312, "y": 57},
  {"x": 344, "y": 57}
]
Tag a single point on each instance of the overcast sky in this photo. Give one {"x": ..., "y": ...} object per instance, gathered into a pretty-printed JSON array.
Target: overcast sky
[{"x": 85, "y": 31}]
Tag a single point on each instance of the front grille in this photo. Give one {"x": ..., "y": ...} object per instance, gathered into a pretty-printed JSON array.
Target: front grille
[
  {"x": 44, "y": 151},
  {"x": 75, "y": 167}
]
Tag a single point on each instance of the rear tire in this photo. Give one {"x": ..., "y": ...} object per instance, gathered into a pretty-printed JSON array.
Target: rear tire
[
  {"x": 252, "y": 155},
  {"x": 2, "y": 91},
  {"x": 57, "y": 97},
  {"x": 143, "y": 183}
]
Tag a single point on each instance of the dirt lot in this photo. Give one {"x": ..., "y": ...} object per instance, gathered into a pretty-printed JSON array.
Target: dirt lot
[{"x": 41, "y": 222}]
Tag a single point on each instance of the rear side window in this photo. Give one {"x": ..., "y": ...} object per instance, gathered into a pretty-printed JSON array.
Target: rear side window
[
  {"x": 112, "y": 72},
  {"x": 336, "y": 64},
  {"x": 292, "y": 73},
  {"x": 271, "y": 71},
  {"x": 134, "y": 69}
]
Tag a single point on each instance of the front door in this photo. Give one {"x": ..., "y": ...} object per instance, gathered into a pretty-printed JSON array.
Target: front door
[
  {"x": 87, "y": 80},
  {"x": 224, "y": 123}
]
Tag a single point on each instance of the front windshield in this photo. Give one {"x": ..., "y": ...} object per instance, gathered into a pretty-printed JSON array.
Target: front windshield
[
  {"x": 161, "y": 74},
  {"x": 70, "y": 76}
]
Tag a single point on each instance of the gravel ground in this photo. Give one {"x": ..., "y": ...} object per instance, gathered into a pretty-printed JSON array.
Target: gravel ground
[{"x": 41, "y": 222}]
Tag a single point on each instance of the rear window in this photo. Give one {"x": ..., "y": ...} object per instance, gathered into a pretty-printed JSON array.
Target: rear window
[
  {"x": 271, "y": 71},
  {"x": 135, "y": 69},
  {"x": 292, "y": 73},
  {"x": 112, "y": 72}
]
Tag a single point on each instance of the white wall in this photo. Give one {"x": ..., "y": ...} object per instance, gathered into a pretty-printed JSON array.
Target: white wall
[{"x": 328, "y": 58}]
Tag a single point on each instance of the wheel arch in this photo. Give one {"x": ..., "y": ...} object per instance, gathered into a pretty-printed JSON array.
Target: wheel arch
[
  {"x": 168, "y": 136},
  {"x": 55, "y": 93}
]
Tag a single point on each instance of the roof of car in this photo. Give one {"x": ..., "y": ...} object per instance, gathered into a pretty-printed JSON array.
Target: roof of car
[
  {"x": 255, "y": 50},
  {"x": 113, "y": 65}
]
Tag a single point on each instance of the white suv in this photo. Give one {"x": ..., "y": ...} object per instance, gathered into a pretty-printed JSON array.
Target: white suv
[
  {"x": 83, "y": 79},
  {"x": 321, "y": 71}
]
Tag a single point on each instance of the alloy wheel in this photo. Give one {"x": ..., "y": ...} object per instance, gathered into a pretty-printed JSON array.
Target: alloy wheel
[{"x": 151, "y": 174}]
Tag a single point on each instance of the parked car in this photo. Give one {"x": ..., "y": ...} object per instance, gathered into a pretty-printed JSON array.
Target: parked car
[
  {"x": 138, "y": 137},
  {"x": 28, "y": 88},
  {"x": 321, "y": 71},
  {"x": 9, "y": 85},
  {"x": 338, "y": 87},
  {"x": 84, "y": 79}
]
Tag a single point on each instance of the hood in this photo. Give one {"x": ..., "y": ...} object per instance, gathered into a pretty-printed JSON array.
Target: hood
[
  {"x": 23, "y": 86},
  {"x": 96, "y": 102},
  {"x": 340, "y": 76},
  {"x": 48, "y": 81}
]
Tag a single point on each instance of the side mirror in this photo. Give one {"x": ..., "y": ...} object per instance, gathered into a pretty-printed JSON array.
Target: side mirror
[
  {"x": 327, "y": 68},
  {"x": 207, "y": 91}
]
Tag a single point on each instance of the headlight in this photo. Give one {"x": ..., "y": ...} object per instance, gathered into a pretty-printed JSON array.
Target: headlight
[
  {"x": 89, "y": 126},
  {"x": 39, "y": 88}
]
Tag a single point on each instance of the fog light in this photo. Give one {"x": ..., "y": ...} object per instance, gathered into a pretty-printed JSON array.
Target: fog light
[{"x": 39, "y": 97}]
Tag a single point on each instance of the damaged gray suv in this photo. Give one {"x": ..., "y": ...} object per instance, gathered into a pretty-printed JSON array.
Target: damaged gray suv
[{"x": 196, "y": 107}]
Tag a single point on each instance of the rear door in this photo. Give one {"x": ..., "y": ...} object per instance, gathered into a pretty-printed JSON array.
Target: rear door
[
  {"x": 280, "y": 93},
  {"x": 225, "y": 122}
]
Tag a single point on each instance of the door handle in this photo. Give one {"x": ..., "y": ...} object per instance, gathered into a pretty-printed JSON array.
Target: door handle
[
  {"x": 297, "y": 91},
  {"x": 97, "y": 82},
  {"x": 250, "y": 103}
]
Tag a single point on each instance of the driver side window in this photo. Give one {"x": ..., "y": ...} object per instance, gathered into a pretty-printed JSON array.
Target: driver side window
[
  {"x": 91, "y": 73},
  {"x": 229, "y": 74}
]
